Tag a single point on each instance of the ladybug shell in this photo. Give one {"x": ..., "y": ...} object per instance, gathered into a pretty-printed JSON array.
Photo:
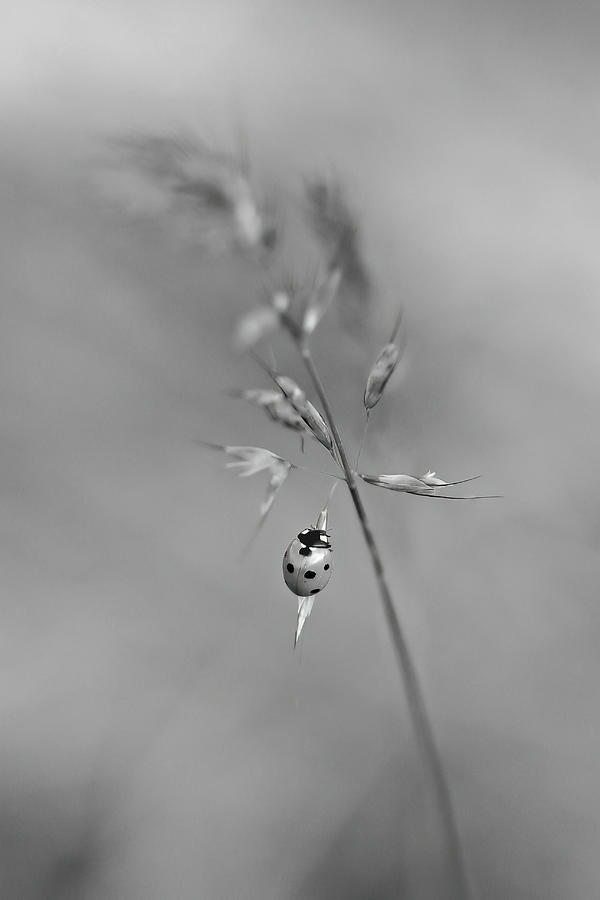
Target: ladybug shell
[{"x": 306, "y": 570}]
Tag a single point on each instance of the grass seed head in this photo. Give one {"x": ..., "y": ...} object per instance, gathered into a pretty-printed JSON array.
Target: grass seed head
[
  {"x": 335, "y": 227},
  {"x": 427, "y": 485},
  {"x": 256, "y": 325},
  {"x": 383, "y": 368},
  {"x": 309, "y": 414},
  {"x": 277, "y": 407},
  {"x": 249, "y": 461},
  {"x": 380, "y": 374},
  {"x": 261, "y": 322},
  {"x": 299, "y": 402},
  {"x": 205, "y": 195}
]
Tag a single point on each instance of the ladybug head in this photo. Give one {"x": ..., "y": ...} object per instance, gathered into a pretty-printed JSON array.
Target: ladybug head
[{"x": 314, "y": 537}]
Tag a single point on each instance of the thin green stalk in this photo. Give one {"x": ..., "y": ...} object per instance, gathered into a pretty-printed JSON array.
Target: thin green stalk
[
  {"x": 414, "y": 694},
  {"x": 318, "y": 472},
  {"x": 363, "y": 439}
]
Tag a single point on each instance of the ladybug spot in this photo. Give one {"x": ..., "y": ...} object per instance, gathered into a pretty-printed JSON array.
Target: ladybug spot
[
  {"x": 326, "y": 566},
  {"x": 315, "y": 590},
  {"x": 310, "y": 574},
  {"x": 290, "y": 568},
  {"x": 304, "y": 551}
]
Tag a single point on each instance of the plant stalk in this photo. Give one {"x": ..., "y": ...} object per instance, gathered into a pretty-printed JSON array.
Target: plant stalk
[{"x": 414, "y": 694}]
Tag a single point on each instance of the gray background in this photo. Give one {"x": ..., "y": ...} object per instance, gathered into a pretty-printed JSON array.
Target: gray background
[{"x": 160, "y": 739}]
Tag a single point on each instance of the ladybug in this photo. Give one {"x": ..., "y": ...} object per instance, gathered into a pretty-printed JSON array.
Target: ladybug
[{"x": 307, "y": 562}]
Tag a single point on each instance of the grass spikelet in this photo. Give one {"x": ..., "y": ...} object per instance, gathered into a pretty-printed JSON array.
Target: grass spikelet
[
  {"x": 279, "y": 473},
  {"x": 277, "y": 407},
  {"x": 336, "y": 228},
  {"x": 249, "y": 461},
  {"x": 323, "y": 516},
  {"x": 299, "y": 402},
  {"x": 207, "y": 194},
  {"x": 320, "y": 300},
  {"x": 426, "y": 485},
  {"x": 261, "y": 322},
  {"x": 305, "y": 606},
  {"x": 309, "y": 414},
  {"x": 382, "y": 369}
]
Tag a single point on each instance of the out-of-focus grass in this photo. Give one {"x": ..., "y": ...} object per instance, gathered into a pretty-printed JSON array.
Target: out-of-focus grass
[{"x": 160, "y": 738}]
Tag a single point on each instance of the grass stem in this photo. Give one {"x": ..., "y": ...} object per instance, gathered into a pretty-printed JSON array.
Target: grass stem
[{"x": 432, "y": 760}]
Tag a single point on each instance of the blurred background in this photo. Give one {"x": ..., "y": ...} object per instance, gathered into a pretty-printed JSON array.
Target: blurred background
[{"x": 160, "y": 737}]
